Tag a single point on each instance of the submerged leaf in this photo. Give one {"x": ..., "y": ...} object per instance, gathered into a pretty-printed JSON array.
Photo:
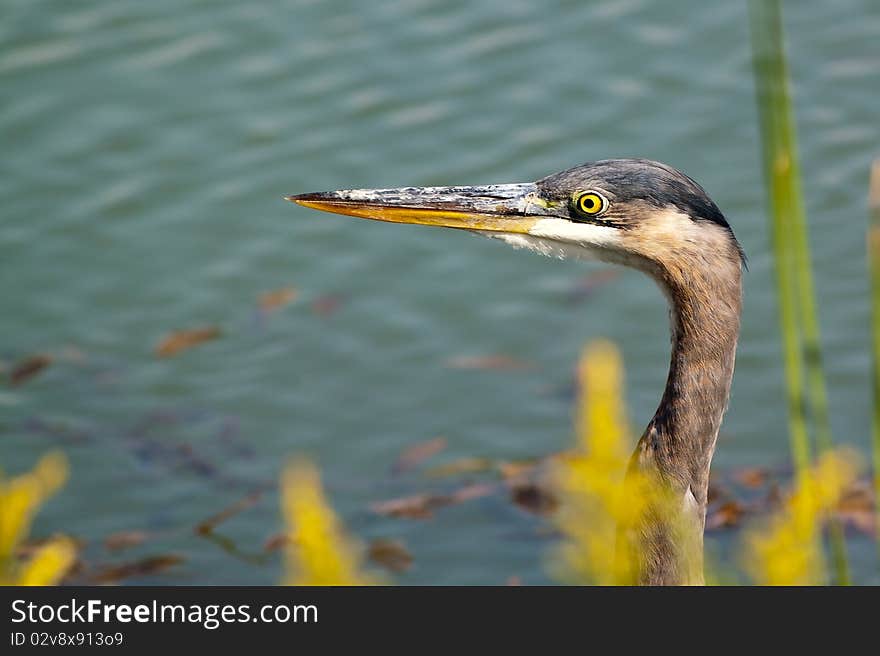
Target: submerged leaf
[
  {"x": 134, "y": 568},
  {"x": 726, "y": 515},
  {"x": 270, "y": 301},
  {"x": 417, "y": 506},
  {"x": 416, "y": 454},
  {"x": 751, "y": 477},
  {"x": 125, "y": 540},
  {"x": 422, "y": 506},
  {"x": 209, "y": 524},
  {"x": 856, "y": 507},
  {"x": 461, "y": 466},
  {"x": 472, "y": 491},
  {"x": 390, "y": 554},
  {"x": 28, "y": 368},
  {"x": 275, "y": 542},
  {"x": 517, "y": 471},
  {"x": 182, "y": 340},
  {"x": 533, "y": 498}
]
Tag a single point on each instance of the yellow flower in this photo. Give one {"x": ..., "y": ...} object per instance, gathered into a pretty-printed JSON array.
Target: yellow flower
[
  {"x": 786, "y": 550},
  {"x": 20, "y": 498},
  {"x": 598, "y": 497},
  {"x": 590, "y": 479},
  {"x": 49, "y": 563},
  {"x": 317, "y": 552}
]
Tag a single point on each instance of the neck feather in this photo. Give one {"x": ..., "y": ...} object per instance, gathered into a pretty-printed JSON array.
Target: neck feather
[
  {"x": 705, "y": 318},
  {"x": 679, "y": 442}
]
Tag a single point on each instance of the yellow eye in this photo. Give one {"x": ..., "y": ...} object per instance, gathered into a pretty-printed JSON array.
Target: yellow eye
[{"x": 590, "y": 203}]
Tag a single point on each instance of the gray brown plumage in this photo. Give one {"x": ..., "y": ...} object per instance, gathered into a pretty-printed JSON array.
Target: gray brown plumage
[{"x": 647, "y": 216}]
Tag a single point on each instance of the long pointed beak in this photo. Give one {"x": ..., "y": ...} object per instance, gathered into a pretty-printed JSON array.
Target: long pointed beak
[{"x": 510, "y": 208}]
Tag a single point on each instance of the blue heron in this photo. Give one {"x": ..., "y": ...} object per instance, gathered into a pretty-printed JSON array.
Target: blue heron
[{"x": 651, "y": 217}]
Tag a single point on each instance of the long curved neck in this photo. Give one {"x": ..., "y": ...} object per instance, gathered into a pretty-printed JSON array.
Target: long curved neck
[
  {"x": 705, "y": 327},
  {"x": 679, "y": 442}
]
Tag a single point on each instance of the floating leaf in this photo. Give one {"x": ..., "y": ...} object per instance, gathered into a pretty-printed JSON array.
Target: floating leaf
[
  {"x": 726, "y": 515},
  {"x": 860, "y": 520},
  {"x": 28, "y": 368},
  {"x": 472, "y": 491},
  {"x": 514, "y": 472},
  {"x": 125, "y": 540},
  {"x": 716, "y": 492},
  {"x": 208, "y": 525},
  {"x": 230, "y": 546},
  {"x": 416, "y": 454},
  {"x": 417, "y": 506},
  {"x": 142, "y": 567},
  {"x": 390, "y": 554},
  {"x": 533, "y": 498},
  {"x": 270, "y": 301},
  {"x": 422, "y": 506},
  {"x": 183, "y": 340},
  {"x": 751, "y": 477},
  {"x": 856, "y": 507},
  {"x": 275, "y": 542},
  {"x": 461, "y": 466}
]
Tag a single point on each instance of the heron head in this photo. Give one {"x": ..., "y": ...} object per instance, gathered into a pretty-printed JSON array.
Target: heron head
[{"x": 628, "y": 211}]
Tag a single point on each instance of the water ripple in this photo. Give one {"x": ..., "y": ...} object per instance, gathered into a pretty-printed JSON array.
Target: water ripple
[{"x": 177, "y": 51}]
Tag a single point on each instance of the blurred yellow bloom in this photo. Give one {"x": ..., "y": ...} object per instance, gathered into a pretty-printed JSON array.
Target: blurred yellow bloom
[
  {"x": 49, "y": 563},
  {"x": 787, "y": 549},
  {"x": 590, "y": 480},
  {"x": 20, "y": 498},
  {"x": 317, "y": 552}
]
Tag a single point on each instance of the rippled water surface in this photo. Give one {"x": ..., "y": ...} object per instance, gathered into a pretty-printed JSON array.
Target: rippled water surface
[{"x": 146, "y": 146}]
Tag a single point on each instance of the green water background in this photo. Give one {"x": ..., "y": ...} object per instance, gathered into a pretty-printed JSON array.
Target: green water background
[{"x": 146, "y": 146}]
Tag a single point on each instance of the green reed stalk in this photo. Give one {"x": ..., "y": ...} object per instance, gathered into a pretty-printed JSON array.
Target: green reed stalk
[
  {"x": 797, "y": 306},
  {"x": 874, "y": 260},
  {"x": 771, "y": 82}
]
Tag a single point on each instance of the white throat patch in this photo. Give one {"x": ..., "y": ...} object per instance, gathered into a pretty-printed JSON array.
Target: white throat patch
[{"x": 564, "y": 239}]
